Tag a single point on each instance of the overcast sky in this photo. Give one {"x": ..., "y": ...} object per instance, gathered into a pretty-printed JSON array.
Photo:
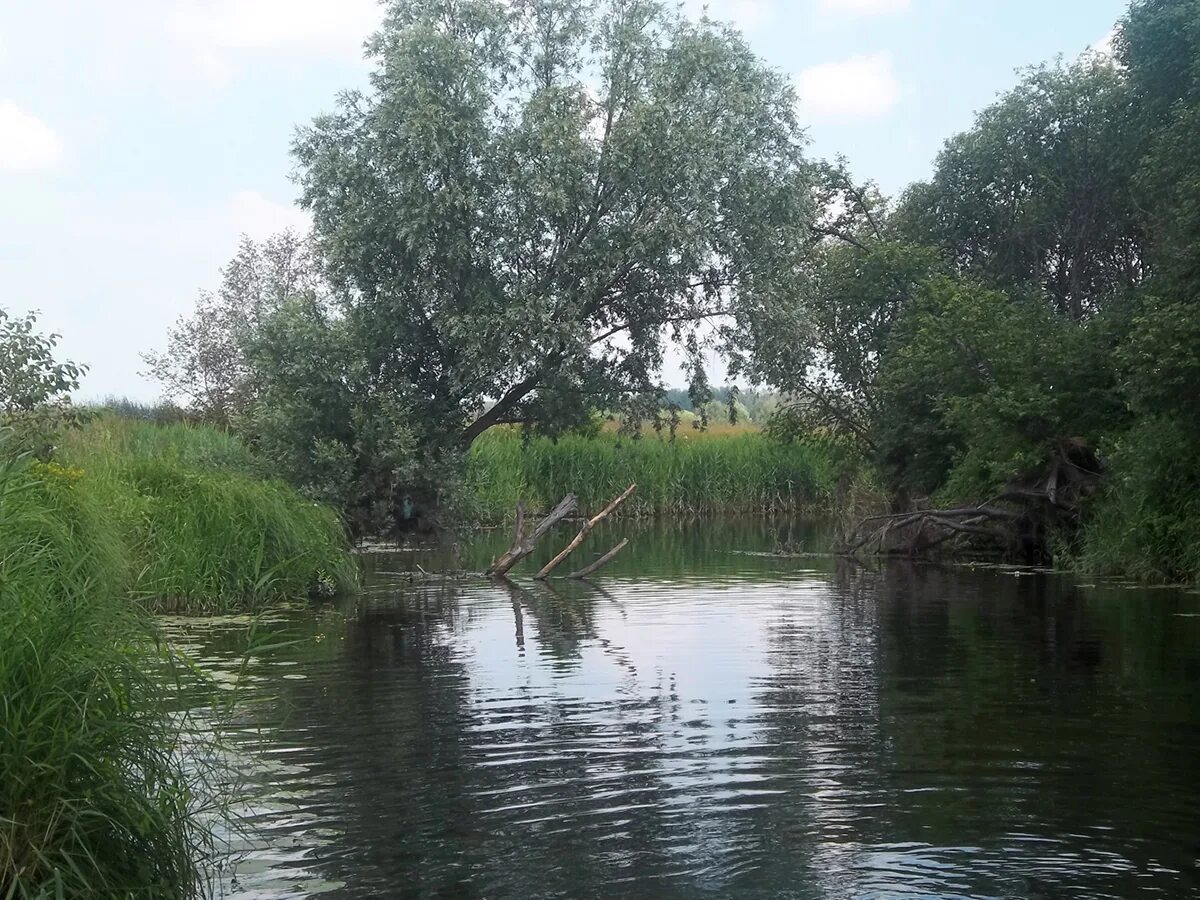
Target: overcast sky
[{"x": 139, "y": 138}]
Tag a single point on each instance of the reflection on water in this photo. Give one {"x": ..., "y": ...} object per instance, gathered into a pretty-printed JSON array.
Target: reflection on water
[{"x": 708, "y": 722}]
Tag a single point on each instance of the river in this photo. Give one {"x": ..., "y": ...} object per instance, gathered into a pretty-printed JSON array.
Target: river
[{"x": 708, "y": 720}]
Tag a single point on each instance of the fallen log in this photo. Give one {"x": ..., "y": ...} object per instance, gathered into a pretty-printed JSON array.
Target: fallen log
[
  {"x": 523, "y": 544},
  {"x": 601, "y": 562},
  {"x": 584, "y": 532}
]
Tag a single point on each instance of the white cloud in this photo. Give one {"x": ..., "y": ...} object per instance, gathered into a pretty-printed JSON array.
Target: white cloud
[
  {"x": 861, "y": 87},
  {"x": 1107, "y": 45},
  {"x": 745, "y": 15},
  {"x": 27, "y": 143},
  {"x": 864, "y": 7}
]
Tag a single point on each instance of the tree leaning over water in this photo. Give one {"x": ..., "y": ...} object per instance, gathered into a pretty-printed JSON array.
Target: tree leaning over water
[{"x": 536, "y": 196}]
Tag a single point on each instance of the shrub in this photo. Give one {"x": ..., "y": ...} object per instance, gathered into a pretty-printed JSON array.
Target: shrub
[{"x": 1146, "y": 523}]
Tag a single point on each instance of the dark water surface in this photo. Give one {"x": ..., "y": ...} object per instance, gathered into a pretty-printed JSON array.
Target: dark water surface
[{"x": 705, "y": 722}]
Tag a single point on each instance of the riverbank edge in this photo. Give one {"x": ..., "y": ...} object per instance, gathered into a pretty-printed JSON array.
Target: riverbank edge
[{"x": 125, "y": 520}]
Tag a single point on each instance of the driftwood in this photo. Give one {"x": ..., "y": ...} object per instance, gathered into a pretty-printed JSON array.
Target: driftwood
[
  {"x": 601, "y": 562},
  {"x": 523, "y": 544},
  {"x": 1014, "y": 524},
  {"x": 584, "y": 532}
]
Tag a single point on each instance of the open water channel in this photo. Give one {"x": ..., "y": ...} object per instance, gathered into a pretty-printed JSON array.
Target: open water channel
[{"x": 707, "y": 720}]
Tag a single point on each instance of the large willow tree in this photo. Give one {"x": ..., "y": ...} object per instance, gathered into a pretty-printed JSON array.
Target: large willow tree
[{"x": 536, "y": 196}]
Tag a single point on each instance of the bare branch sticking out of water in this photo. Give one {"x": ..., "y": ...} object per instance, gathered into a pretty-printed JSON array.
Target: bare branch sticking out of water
[
  {"x": 524, "y": 544},
  {"x": 585, "y": 531},
  {"x": 601, "y": 562}
]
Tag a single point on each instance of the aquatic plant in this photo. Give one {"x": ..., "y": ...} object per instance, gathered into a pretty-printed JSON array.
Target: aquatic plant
[{"x": 696, "y": 474}]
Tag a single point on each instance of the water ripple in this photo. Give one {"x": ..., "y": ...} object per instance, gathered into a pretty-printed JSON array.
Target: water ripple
[{"x": 801, "y": 735}]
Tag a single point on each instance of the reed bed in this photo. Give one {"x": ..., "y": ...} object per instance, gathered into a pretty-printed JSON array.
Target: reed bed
[{"x": 696, "y": 474}]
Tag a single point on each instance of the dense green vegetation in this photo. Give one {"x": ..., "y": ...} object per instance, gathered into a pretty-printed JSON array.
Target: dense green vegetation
[
  {"x": 517, "y": 246},
  {"x": 199, "y": 529},
  {"x": 93, "y": 799},
  {"x": 1033, "y": 309},
  {"x": 102, "y": 520},
  {"x": 532, "y": 202},
  {"x": 501, "y": 238},
  {"x": 695, "y": 474}
]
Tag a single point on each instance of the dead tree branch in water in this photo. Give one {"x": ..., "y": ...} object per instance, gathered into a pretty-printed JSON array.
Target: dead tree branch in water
[
  {"x": 601, "y": 562},
  {"x": 1015, "y": 523},
  {"x": 584, "y": 532},
  {"x": 523, "y": 544}
]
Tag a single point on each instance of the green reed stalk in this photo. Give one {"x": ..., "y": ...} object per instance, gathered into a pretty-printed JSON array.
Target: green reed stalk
[{"x": 694, "y": 475}]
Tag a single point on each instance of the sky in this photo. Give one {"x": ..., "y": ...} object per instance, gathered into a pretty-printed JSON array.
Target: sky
[{"x": 140, "y": 138}]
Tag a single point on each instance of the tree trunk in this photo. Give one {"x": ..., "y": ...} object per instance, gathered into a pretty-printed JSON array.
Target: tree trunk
[{"x": 601, "y": 562}]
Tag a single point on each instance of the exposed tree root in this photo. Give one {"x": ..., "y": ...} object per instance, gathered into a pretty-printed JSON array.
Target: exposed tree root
[{"x": 1015, "y": 524}]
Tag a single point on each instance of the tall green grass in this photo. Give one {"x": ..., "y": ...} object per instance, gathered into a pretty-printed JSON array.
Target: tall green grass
[
  {"x": 93, "y": 800},
  {"x": 693, "y": 475},
  {"x": 198, "y": 530},
  {"x": 128, "y": 516}
]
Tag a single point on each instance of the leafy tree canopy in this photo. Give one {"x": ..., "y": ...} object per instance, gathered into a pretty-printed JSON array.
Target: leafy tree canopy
[
  {"x": 1037, "y": 194},
  {"x": 35, "y": 387},
  {"x": 536, "y": 194}
]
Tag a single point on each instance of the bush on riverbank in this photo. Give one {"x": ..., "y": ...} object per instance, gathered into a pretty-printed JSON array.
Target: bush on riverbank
[
  {"x": 1146, "y": 523},
  {"x": 93, "y": 801},
  {"x": 697, "y": 474}
]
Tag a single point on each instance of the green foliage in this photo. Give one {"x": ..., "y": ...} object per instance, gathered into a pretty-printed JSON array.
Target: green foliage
[
  {"x": 201, "y": 531},
  {"x": 267, "y": 357},
  {"x": 1159, "y": 44},
  {"x": 93, "y": 800},
  {"x": 1160, "y": 359},
  {"x": 206, "y": 362},
  {"x": 692, "y": 475},
  {"x": 1146, "y": 524},
  {"x": 1038, "y": 193},
  {"x": 829, "y": 364},
  {"x": 324, "y": 425},
  {"x": 534, "y": 195},
  {"x": 35, "y": 388},
  {"x": 996, "y": 383},
  {"x": 1035, "y": 301}
]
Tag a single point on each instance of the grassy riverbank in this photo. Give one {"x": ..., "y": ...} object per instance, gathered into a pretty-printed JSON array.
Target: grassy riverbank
[
  {"x": 697, "y": 474},
  {"x": 194, "y": 528},
  {"x": 93, "y": 802},
  {"x": 125, "y": 519}
]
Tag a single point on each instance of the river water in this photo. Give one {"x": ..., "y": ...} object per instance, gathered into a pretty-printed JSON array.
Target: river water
[{"x": 708, "y": 721}]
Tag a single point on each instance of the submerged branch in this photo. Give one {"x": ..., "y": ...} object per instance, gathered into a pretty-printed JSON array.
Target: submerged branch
[{"x": 601, "y": 562}]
